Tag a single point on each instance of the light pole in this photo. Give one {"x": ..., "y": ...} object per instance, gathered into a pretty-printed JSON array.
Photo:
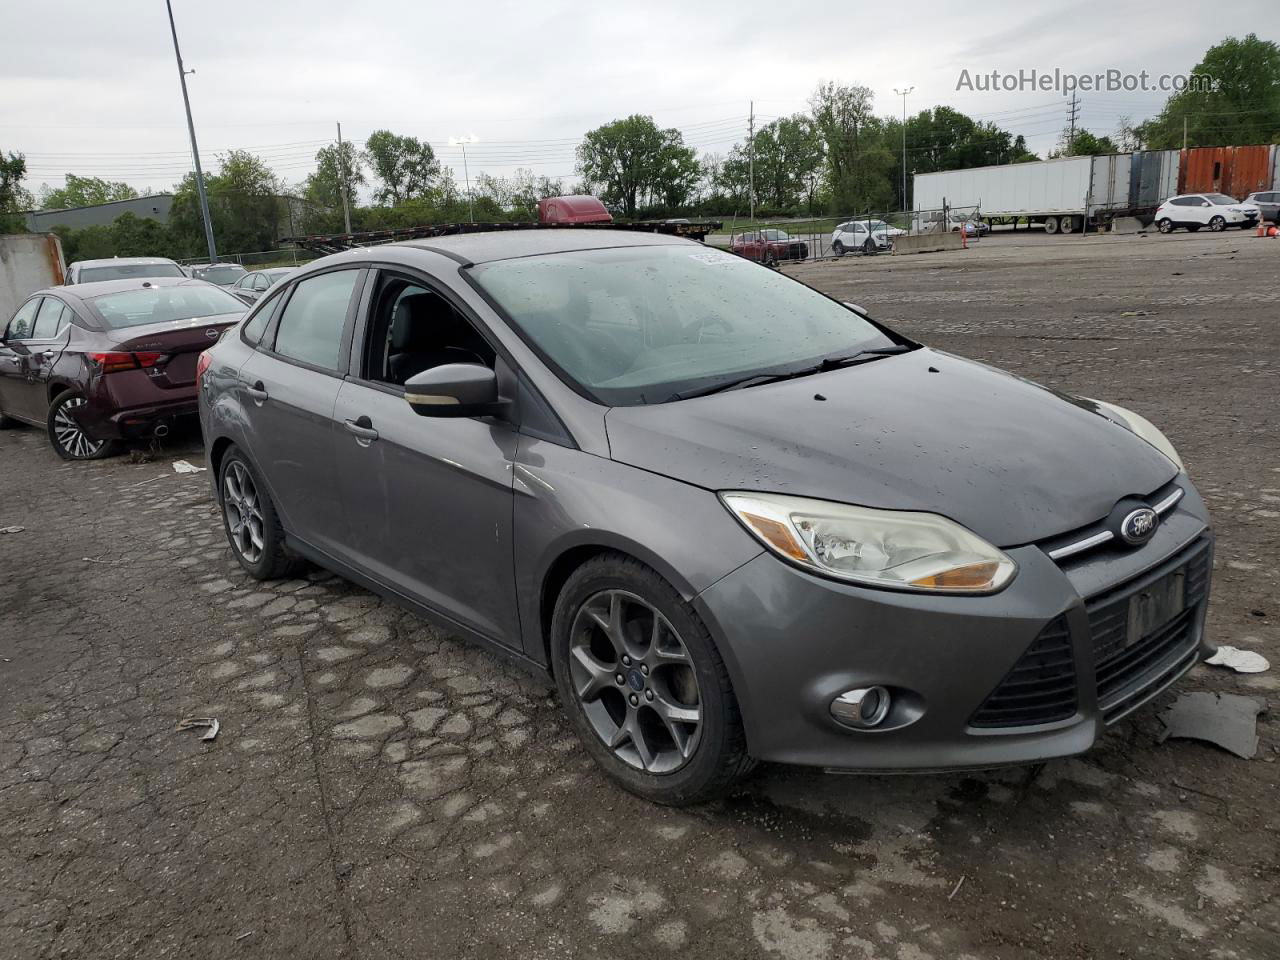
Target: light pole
[
  {"x": 462, "y": 142},
  {"x": 195, "y": 151},
  {"x": 903, "y": 95}
]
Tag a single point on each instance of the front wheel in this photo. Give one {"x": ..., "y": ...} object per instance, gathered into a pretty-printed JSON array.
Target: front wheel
[
  {"x": 251, "y": 523},
  {"x": 1217, "y": 224},
  {"x": 1164, "y": 226},
  {"x": 838, "y": 248},
  {"x": 646, "y": 690},
  {"x": 868, "y": 247},
  {"x": 68, "y": 438}
]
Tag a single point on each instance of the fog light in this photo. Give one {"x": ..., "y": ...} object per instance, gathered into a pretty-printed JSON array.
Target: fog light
[{"x": 865, "y": 707}]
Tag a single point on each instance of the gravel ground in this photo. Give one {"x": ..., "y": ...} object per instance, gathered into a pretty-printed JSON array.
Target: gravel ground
[{"x": 382, "y": 790}]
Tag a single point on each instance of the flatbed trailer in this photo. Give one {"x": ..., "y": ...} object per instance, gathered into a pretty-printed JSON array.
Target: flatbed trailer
[{"x": 337, "y": 242}]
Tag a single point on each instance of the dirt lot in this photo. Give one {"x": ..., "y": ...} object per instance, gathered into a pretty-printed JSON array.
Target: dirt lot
[{"x": 380, "y": 790}]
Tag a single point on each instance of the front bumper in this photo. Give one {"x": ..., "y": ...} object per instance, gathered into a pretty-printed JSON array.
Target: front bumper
[{"x": 794, "y": 641}]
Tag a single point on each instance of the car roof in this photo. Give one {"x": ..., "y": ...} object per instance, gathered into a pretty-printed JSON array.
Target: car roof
[
  {"x": 108, "y": 261},
  {"x": 98, "y": 288},
  {"x": 509, "y": 244}
]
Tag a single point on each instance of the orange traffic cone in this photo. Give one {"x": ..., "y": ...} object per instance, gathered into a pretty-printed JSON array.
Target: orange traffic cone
[
  {"x": 1273, "y": 231},
  {"x": 1262, "y": 229}
]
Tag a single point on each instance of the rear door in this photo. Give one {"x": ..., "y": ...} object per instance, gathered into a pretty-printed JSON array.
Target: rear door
[
  {"x": 14, "y": 360},
  {"x": 48, "y": 340},
  {"x": 288, "y": 389},
  {"x": 428, "y": 500}
]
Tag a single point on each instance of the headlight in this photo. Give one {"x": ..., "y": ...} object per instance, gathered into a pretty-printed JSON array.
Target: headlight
[
  {"x": 1143, "y": 427},
  {"x": 881, "y": 548}
]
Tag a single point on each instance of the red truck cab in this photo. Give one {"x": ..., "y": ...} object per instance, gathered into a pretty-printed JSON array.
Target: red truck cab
[{"x": 575, "y": 209}]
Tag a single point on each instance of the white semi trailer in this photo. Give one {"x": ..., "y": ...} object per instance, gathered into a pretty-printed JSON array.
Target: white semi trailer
[
  {"x": 1064, "y": 194},
  {"x": 28, "y": 262}
]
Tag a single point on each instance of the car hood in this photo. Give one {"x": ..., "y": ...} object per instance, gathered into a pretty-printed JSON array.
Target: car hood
[{"x": 1012, "y": 461}]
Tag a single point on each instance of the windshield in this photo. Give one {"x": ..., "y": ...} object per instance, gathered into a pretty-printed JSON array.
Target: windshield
[
  {"x": 226, "y": 274},
  {"x": 133, "y": 308},
  {"x": 635, "y": 325},
  {"x": 1220, "y": 200},
  {"x": 127, "y": 271}
]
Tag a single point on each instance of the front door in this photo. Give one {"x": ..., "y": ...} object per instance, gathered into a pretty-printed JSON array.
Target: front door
[
  {"x": 428, "y": 500},
  {"x": 288, "y": 391},
  {"x": 45, "y": 347}
]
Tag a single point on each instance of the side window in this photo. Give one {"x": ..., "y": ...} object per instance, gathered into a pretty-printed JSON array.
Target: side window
[
  {"x": 260, "y": 281},
  {"x": 413, "y": 328},
  {"x": 50, "y": 319},
  {"x": 24, "y": 320},
  {"x": 257, "y": 325},
  {"x": 310, "y": 329}
]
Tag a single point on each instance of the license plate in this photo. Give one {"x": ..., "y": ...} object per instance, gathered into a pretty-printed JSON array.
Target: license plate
[{"x": 1155, "y": 605}]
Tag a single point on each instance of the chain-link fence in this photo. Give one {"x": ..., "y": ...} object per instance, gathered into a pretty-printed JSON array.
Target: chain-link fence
[{"x": 818, "y": 238}]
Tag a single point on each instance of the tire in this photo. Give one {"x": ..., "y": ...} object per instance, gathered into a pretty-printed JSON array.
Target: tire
[
  {"x": 250, "y": 521},
  {"x": 1217, "y": 224},
  {"x": 1066, "y": 224},
  {"x": 680, "y": 761},
  {"x": 1164, "y": 225},
  {"x": 868, "y": 247},
  {"x": 67, "y": 437},
  {"x": 838, "y": 248},
  {"x": 1051, "y": 225}
]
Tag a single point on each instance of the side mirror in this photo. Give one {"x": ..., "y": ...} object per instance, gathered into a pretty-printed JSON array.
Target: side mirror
[{"x": 455, "y": 390}]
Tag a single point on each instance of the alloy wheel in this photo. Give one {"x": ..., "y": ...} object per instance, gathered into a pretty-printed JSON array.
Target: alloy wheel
[
  {"x": 70, "y": 435},
  {"x": 1166, "y": 226},
  {"x": 635, "y": 681},
  {"x": 243, "y": 511},
  {"x": 1217, "y": 224}
]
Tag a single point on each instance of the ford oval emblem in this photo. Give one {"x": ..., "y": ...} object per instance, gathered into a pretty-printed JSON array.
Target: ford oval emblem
[{"x": 1139, "y": 526}]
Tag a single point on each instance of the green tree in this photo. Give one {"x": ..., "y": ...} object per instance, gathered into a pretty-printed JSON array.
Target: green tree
[
  {"x": 1084, "y": 144},
  {"x": 406, "y": 167},
  {"x": 14, "y": 197},
  {"x": 788, "y": 153},
  {"x": 859, "y": 157},
  {"x": 1240, "y": 106},
  {"x": 85, "y": 192},
  {"x": 244, "y": 204},
  {"x": 632, "y": 162},
  {"x": 334, "y": 168},
  {"x": 516, "y": 196}
]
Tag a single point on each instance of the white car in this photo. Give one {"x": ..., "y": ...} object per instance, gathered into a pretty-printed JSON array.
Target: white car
[
  {"x": 1216, "y": 211},
  {"x": 868, "y": 236}
]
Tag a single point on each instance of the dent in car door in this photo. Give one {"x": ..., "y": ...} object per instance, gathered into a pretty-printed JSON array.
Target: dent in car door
[
  {"x": 14, "y": 365},
  {"x": 428, "y": 502},
  {"x": 49, "y": 340}
]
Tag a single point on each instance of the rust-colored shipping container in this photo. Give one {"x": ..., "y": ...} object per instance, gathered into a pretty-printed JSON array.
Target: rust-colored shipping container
[{"x": 1235, "y": 171}]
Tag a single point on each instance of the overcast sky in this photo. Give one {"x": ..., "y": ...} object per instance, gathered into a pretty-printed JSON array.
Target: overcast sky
[{"x": 99, "y": 95}]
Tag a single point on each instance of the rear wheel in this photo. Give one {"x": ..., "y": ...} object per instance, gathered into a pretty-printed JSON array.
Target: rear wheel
[
  {"x": 1066, "y": 224},
  {"x": 1164, "y": 226},
  {"x": 251, "y": 522},
  {"x": 644, "y": 686},
  {"x": 1217, "y": 224},
  {"x": 1051, "y": 225},
  {"x": 68, "y": 438}
]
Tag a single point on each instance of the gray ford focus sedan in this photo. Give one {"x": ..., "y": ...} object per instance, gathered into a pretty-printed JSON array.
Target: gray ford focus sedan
[{"x": 734, "y": 519}]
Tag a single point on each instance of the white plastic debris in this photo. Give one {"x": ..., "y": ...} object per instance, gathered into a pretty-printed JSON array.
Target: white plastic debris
[
  {"x": 1241, "y": 661},
  {"x": 183, "y": 466},
  {"x": 14, "y": 529}
]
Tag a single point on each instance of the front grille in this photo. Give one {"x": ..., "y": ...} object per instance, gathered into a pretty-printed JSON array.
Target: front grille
[
  {"x": 1041, "y": 687},
  {"x": 1128, "y": 676}
]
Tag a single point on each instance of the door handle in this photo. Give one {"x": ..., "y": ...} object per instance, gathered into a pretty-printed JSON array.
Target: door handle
[
  {"x": 362, "y": 429},
  {"x": 258, "y": 392},
  {"x": 49, "y": 354}
]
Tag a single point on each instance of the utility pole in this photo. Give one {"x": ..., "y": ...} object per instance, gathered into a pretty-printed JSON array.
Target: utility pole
[
  {"x": 343, "y": 181},
  {"x": 903, "y": 95},
  {"x": 1072, "y": 114},
  {"x": 1184, "y": 131},
  {"x": 462, "y": 142},
  {"x": 195, "y": 151},
  {"x": 751, "y": 160}
]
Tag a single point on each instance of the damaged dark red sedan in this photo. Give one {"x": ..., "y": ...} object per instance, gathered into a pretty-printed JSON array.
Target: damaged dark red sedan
[{"x": 100, "y": 363}]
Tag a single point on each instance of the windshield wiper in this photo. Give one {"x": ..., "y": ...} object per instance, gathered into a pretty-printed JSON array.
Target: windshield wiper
[{"x": 833, "y": 362}]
